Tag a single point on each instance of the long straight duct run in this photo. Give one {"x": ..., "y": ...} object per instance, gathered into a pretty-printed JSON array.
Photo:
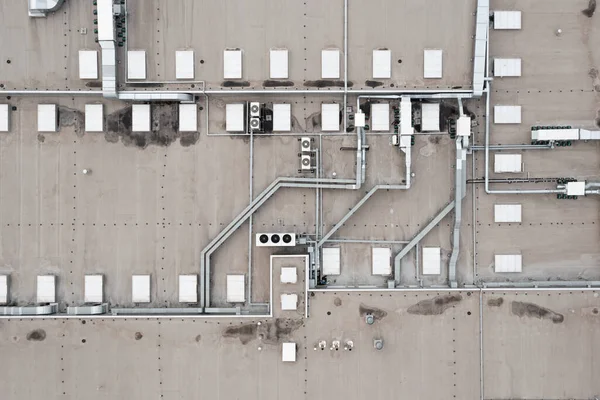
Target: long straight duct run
[{"x": 106, "y": 38}]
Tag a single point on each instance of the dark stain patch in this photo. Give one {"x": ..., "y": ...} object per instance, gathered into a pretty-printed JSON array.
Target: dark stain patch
[
  {"x": 593, "y": 73},
  {"x": 276, "y": 331},
  {"x": 531, "y": 310},
  {"x": 94, "y": 84},
  {"x": 198, "y": 338},
  {"x": 145, "y": 85},
  {"x": 37, "y": 335},
  {"x": 71, "y": 117},
  {"x": 138, "y": 336},
  {"x": 233, "y": 84},
  {"x": 272, "y": 83},
  {"x": 164, "y": 128},
  {"x": 456, "y": 87},
  {"x": 269, "y": 332},
  {"x": 324, "y": 83},
  {"x": 435, "y": 306},
  {"x": 495, "y": 302},
  {"x": 590, "y": 10},
  {"x": 373, "y": 84},
  {"x": 337, "y": 302},
  {"x": 435, "y": 139},
  {"x": 377, "y": 313},
  {"x": 41, "y": 138},
  {"x": 245, "y": 333}
]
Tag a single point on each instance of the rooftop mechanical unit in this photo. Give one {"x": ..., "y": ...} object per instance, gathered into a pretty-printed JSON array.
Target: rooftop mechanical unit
[
  {"x": 305, "y": 144},
  {"x": 254, "y": 109},
  {"x": 275, "y": 239},
  {"x": 306, "y": 162},
  {"x": 255, "y": 124}
]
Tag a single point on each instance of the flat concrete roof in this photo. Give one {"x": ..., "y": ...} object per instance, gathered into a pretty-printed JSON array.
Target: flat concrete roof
[{"x": 428, "y": 337}]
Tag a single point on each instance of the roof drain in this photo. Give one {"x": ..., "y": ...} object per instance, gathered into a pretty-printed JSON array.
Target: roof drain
[{"x": 41, "y": 8}]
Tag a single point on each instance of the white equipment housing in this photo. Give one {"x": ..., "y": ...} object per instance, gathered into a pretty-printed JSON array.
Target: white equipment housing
[
  {"x": 94, "y": 118},
  {"x": 507, "y": 67},
  {"x": 507, "y": 20},
  {"x": 306, "y": 162},
  {"x": 279, "y": 64},
  {"x": 232, "y": 64},
  {"x": 188, "y": 288},
  {"x": 93, "y": 289},
  {"x": 188, "y": 117},
  {"x": 184, "y": 64},
  {"x": 136, "y": 64},
  {"x": 432, "y": 64},
  {"x": 289, "y": 302},
  {"x": 381, "y": 259},
  {"x": 331, "y": 261},
  {"x": 3, "y": 289},
  {"x": 275, "y": 239},
  {"x": 507, "y": 114},
  {"x": 382, "y": 64},
  {"x": 330, "y": 117},
  {"x": 4, "y": 118},
  {"x": 507, "y": 163},
  {"x": 555, "y": 134},
  {"x": 236, "y": 289},
  {"x": 282, "y": 117},
  {"x": 288, "y": 275},
  {"x": 234, "y": 117},
  {"x": 508, "y": 263},
  {"x": 46, "y": 289},
  {"x": 576, "y": 188},
  {"x": 380, "y": 117},
  {"x": 507, "y": 213},
  {"x": 140, "y": 118},
  {"x": 432, "y": 260},
  {"x": 47, "y": 118},
  {"x": 140, "y": 288},
  {"x": 288, "y": 352},
  {"x": 254, "y": 109},
  {"x": 88, "y": 64},
  {"x": 305, "y": 144},
  {"x": 330, "y": 64}
]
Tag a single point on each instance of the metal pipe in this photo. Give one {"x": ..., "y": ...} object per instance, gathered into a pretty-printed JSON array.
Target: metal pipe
[
  {"x": 250, "y": 218},
  {"x": 541, "y": 284},
  {"x": 346, "y": 65},
  {"x": 481, "y": 392},
  {"x": 417, "y": 93},
  {"x": 374, "y": 241},
  {"x": 458, "y": 196},
  {"x": 436, "y": 220},
  {"x": 514, "y": 147}
]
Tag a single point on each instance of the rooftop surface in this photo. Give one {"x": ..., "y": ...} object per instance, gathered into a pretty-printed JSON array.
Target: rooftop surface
[{"x": 119, "y": 203}]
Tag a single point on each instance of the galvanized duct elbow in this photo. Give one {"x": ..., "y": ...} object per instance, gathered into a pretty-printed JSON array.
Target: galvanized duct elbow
[{"x": 41, "y": 8}]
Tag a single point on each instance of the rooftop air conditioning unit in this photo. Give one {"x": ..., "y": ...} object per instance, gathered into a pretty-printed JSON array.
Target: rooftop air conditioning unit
[
  {"x": 275, "y": 239},
  {"x": 255, "y": 124},
  {"x": 305, "y": 144},
  {"x": 306, "y": 162},
  {"x": 254, "y": 109}
]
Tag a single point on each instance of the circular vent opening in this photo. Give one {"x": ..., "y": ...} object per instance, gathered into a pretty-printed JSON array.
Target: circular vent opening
[
  {"x": 306, "y": 144},
  {"x": 306, "y": 161},
  {"x": 254, "y": 122},
  {"x": 275, "y": 238},
  {"x": 263, "y": 238},
  {"x": 254, "y": 109},
  {"x": 287, "y": 238}
]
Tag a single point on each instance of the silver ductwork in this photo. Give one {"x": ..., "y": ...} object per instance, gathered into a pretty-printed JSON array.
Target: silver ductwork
[{"x": 41, "y": 8}]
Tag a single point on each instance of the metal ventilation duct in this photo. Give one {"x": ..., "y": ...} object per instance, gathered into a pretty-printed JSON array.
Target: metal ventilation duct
[{"x": 40, "y": 8}]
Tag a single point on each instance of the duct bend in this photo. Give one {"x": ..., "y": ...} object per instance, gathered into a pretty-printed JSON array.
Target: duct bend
[{"x": 41, "y": 8}]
